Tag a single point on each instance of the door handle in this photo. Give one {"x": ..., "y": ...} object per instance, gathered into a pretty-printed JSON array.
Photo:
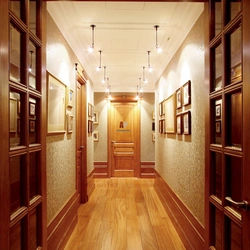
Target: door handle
[
  {"x": 240, "y": 204},
  {"x": 81, "y": 147},
  {"x": 113, "y": 141}
]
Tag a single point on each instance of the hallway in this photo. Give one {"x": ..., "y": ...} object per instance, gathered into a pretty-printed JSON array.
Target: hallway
[{"x": 124, "y": 213}]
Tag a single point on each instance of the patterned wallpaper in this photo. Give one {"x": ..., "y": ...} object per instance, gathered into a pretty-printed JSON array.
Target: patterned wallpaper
[
  {"x": 180, "y": 159},
  {"x": 147, "y": 145},
  {"x": 61, "y": 149}
]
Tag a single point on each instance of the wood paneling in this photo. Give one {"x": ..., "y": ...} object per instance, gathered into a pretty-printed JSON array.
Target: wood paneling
[
  {"x": 101, "y": 169},
  {"x": 147, "y": 169},
  {"x": 189, "y": 229}
]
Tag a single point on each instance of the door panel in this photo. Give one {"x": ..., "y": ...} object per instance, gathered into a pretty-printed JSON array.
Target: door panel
[{"x": 124, "y": 139}]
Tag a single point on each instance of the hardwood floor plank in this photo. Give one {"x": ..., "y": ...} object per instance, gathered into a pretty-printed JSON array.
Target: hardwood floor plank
[{"x": 124, "y": 214}]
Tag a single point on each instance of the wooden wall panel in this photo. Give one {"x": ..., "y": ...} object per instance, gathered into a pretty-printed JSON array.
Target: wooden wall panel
[{"x": 147, "y": 169}]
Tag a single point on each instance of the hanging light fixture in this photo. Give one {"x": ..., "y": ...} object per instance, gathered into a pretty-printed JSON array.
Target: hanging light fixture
[
  {"x": 159, "y": 50},
  {"x": 93, "y": 40},
  {"x": 143, "y": 74},
  {"x": 149, "y": 67},
  {"x": 108, "y": 90},
  {"x": 104, "y": 76},
  {"x": 30, "y": 67},
  {"x": 139, "y": 92},
  {"x": 100, "y": 65}
]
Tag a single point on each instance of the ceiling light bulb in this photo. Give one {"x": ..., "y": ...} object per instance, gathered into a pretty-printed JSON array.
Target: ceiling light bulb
[
  {"x": 159, "y": 50},
  {"x": 90, "y": 49},
  {"x": 150, "y": 69}
]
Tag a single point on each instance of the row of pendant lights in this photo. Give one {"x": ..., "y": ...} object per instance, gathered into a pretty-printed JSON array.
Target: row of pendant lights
[{"x": 91, "y": 48}]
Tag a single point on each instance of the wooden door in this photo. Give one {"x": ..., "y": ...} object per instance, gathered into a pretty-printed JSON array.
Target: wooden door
[
  {"x": 81, "y": 163},
  {"x": 227, "y": 158},
  {"x": 124, "y": 139}
]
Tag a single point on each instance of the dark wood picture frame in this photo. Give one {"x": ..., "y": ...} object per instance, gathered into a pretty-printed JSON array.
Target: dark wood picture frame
[
  {"x": 32, "y": 108},
  {"x": 186, "y": 117},
  {"x": 187, "y": 93},
  {"x": 178, "y": 98},
  {"x": 218, "y": 127},
  {"x": 179, "y": 124}
]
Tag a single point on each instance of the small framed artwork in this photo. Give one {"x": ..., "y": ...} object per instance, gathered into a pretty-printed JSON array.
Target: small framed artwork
[
  {"x": 153, "y": 136},
  {"x": 218, "y": 110},
  {"x": 187, "y": 93},
  {"x": 218, "y": 127},
  {"x": 90, "y": 110},
  {"x": 178, "y": 98},
  {"x": 96, "y": 136},
  {"x": 32, "y": 126},
  {"x": 170, "y": 117},
  {"x": 90, "y": 126},
  {"x": 187, "y": 123},
  {"x": 95, "y": 117},
  {"x": 153, "y": 116},
  {"x": 179, "y": 124},
  {"x": 69, "y": 97},
  {"x": 69, "y": 123},
  {"x": 32, "y": 108}
]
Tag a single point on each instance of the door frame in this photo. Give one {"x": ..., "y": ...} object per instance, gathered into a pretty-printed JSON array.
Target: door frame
[{"x": 124, "y": 99}]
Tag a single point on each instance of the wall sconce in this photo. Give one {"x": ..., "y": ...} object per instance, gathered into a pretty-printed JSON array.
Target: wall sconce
[
  {"x": 104, "y": 77},
  {"x": 149, "y": 67},
  {"x": 30, "y": 67},
  {"x": 100, "y": 65},
  {"x": 159, "y": 50},
  {"x": 93, "y": 42},
  {"x": 143, "y": 74}
]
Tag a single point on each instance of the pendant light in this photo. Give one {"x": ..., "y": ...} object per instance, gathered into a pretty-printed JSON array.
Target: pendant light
[
  {"x": 100, "y": 65},
  {"x": 159, "y": 50},
  {"x": 143, "y": 74},
  {"x": 93, "y": 40},
  {"x": 149, "y": 67},
  {"x": 104, "y": 75}
]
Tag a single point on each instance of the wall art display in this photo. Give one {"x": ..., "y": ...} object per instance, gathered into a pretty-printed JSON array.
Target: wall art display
[
  {"x": 69, "y": 97},
  {"x": 96, "y": 117},
  {"x": 32, "y": 126},
  {"x": 32, "y": 107},
  {"x": 218, "y": 110},
  {"x": 90, "y": 110},
  {"x": 170, "y": 117},
  {"x": 218, "y": 127},
  {"x": 179, "y": 124},
  {"x": 178, "y": 98},
  {"x": 187, "y": 123},
  {"x": 161, "y": 126},
  {"x": 153, "y": 136},
  {"x": 187, "y": 93},
  {"x": 153, "y": 116},
  {"x": 69, "y": 123},
  {"x": 96, "y": 136},
  {"x": 161, "y": 108},
  {"x": 90, "y": 126},
  {"x": 56, "y": 105}
]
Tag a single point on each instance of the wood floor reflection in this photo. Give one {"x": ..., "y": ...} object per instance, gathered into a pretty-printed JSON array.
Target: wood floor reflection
[{"x": 124, "y": 214}]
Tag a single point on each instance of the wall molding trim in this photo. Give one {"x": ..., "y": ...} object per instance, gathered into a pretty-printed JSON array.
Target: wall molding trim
[
  {"x": 190, "y": 230},
  {"x": 63, "y": 224},
  {"x": 147, "y": 169},
  {"x": 90, "y": 183}
]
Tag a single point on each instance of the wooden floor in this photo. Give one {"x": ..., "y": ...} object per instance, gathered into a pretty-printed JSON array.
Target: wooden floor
[{"x": 124, "y": 214}]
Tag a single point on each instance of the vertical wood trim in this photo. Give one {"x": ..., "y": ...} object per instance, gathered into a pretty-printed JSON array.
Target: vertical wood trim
[
  {"x": 207, "y": 124},
  {"x": 43, "y": 12},
  {"x": 4, "y": 131}
]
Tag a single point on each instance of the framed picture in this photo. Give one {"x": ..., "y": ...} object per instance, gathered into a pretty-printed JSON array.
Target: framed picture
[
  {"x": 18, "y": 107},
  {"x": 96, "y": 136},
  {"x": 187, "y": 93},
  {"x": 187, "y": 123},
  {"x": 153, "y": 116},
  {"x": 90, "y": 126},
  {"x": 95, "y": 117},
  {"x": 170, "y": 117},
  {"x": 32, "y": 108},
  {"x": 69, "y": 123},
  {"x": 90, "y": 110},
  {"x": 32, "y": 126},
  {"x": 218, "y": 127},
  {"x": 178, "y": 98},
  {"x": 56, "y": 105},
  {"x": 69, "y": 97},
  {"x": 153, "y": 136},
  {"x": 179, "y": 124},
  {"x": 218, "y": 110}
]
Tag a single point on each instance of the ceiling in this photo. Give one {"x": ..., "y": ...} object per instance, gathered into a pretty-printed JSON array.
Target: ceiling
[{"x": 124, "y": 33}]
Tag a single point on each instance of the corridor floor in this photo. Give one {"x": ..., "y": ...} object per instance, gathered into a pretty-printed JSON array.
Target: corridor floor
[{"x": 124, "y": 214}]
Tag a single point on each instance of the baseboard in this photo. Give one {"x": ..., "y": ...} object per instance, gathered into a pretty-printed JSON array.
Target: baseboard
[
  {"x": 63, "y": 225},
  {"x": 147, "y": 169},
  {"x": 100, "y": 169},
  {"x": 190, "y": 230}
]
